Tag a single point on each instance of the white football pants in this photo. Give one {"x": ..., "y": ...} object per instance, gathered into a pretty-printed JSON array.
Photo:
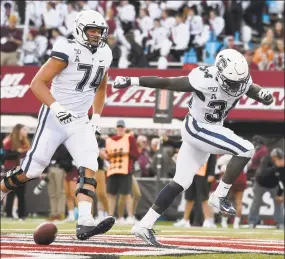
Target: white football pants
[
  {"x": 199, "y": 141},
  {"x": 77, "y": 136}
]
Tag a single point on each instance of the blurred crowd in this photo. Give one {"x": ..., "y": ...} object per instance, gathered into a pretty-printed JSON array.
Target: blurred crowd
[
  {"x": 124, "y": 156},
  {"x": 140, "y": 32}
]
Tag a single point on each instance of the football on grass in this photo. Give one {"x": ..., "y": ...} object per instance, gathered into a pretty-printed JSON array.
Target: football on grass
[{"x": 45, "y": 233}]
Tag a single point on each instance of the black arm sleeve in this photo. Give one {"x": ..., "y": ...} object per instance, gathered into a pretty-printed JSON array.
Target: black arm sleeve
[
  {"x": 253, "y": 91},
  {"x": 10, "y": 155},
  {"x": 179, "y": 84}
]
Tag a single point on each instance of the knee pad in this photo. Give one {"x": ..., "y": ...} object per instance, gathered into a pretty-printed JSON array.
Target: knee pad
[
  {"x": 13, "y": 176},
  {"x": 84, "y": 180}
]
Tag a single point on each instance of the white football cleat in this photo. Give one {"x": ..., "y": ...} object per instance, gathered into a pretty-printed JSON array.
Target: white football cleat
[
  {"x": 182, "y": 223},
  {"x": 222, "y": 204},
  {"x": 146, "y": 234}
]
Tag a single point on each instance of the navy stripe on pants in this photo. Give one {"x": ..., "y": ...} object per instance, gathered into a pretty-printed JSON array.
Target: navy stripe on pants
[
  {"x": 37, "y": 138},
  {"x": 206, "y": 140}
]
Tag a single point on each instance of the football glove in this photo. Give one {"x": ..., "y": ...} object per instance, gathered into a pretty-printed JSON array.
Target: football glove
[
  {"x": 95, "y": 124},
  {"x": 64, "y": 116},
  {"x": 265, "y": 97},
  {"x": 124, "y": 82}
]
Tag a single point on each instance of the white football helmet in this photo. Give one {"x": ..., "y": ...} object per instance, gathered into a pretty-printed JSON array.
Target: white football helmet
[
  {"x": 233, "y": 72},
  {"x": 86, "y": 20}
]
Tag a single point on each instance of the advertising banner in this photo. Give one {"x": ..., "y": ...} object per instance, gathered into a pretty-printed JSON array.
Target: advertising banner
[{"x": 16, "y": 98}]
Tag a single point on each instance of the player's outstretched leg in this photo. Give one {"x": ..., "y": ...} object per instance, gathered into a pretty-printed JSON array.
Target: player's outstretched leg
[
  {"x": 218, "y": 199},
  {"x": 12, "y": 179},
  {"x": 86, "y": 226},
  {"x": 143, "y": 229}
]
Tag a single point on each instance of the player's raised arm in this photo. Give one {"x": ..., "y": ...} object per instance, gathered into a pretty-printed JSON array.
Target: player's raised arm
[
  {"x": 258, "y": 93},
  {"x": 179, "y": 84}
]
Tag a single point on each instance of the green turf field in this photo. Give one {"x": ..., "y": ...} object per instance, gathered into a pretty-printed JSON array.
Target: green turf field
[{"x": 165, "y": 229}]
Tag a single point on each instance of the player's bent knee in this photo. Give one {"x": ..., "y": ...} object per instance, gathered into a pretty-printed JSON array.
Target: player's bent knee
[
  {"x": 82, "y": 180},
  {"x": 250, "y": 150},
  {"x": 185, "y": 184}
]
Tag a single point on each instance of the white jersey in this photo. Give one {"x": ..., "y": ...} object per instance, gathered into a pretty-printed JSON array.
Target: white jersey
[
  {"x": 210, "y": 103},
  {"x": 75, "y": 87}
]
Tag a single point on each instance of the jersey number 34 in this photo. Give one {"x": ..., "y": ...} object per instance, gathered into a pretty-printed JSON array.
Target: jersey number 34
[{"x": 87, "y": 73}]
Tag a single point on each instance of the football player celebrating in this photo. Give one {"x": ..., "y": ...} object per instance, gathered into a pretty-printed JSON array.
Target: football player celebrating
[
  {"x": 215, "y": 91},
  {"x": 78, "y": 72}
]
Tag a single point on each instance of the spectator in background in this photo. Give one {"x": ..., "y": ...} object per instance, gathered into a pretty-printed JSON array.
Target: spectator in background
[
  {"x": 62, "y": 10},
  {"x": 70, "y": 183},
  {"x": 159, "y": 42},
  {"x": 30, "y": 51},
  {"x": 261, "y": 151},
  {"x": 55, "y": 36},
  {"x": 116, "y": 51},
  {"x": 144, "y": 158},
  {"x": 136, "y": 56},
  {"x": 145, "y": 22},
  {"x": 167, "y": 21},
  {"x": 200, "y": 40},
  {"x": 153, "y": 9},
  {"x": 217, "y": 23},
  {"x": 174, "y": 7},
  {"x": 50, "y": 17},
  {"x": 229, "y": 43},
  {"x": 127, "y": 15},
  {"x": 6, "y": 11},
  {"x": 236, "y": 191},
  {"x": 60, "y": 164},
  {"x": 199, "y": 192},
  {"x": 100, "y": 176},
  {"x": 194, "y": 23},
  {"x": 233, "y": 17},
  {"x": 84, "y": 5},
  {"x": 253, "y": 15},
  {"x": 279, "y": 56},
  {"x": 180, "y": 37},
  {"x": 15, "y": 147},
  {"x": 279, "y": 30},
  {"x": 69, "y": 18},
  {"x": 268, "y": 175},
  {"x": 35, "y": 10},
  {"x": 110, "y": 21},
  {"x": 122, "y": 151},
  {"x": 42, "y": 44},
  {"x": 269, "y": 35},
  {"x": 11, "y": 39},
  {"x": 263, "y": 56},
  {"x": 248, "y": 54},
  {"x": 160, "y": 159}
]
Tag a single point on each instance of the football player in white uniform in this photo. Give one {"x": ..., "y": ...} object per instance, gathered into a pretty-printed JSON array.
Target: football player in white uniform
[
  {"x": 215, "y": 91},
  {"x": 78, "y": 72}
]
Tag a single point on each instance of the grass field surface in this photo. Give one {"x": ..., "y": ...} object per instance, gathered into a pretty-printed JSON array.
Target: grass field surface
[{"x": 195, "y": 242}]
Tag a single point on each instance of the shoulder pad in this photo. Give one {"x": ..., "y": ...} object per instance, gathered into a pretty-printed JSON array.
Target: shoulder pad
[
  {"x": 61, "y": 50},
  {"x": 199, "y": 77}
]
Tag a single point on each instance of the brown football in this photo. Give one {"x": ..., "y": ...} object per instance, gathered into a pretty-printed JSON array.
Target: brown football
[{"x": 45, "y": 233}]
